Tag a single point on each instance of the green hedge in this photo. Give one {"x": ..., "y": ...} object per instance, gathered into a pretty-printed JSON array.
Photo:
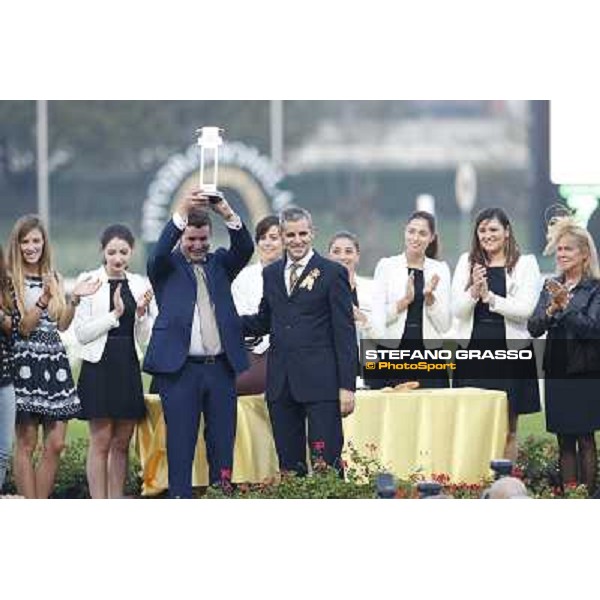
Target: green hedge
[
  {"x": 71, "y": 480},
  {"x": 537, "y": 465}
]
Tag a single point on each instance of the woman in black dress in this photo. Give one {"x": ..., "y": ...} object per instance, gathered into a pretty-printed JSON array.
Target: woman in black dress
[
  {"x": 569, "y": 311},
  {"x": 411, "y": 299},
  {"x": 494, "y": 291},
  {"x": 109, "y": 324}
]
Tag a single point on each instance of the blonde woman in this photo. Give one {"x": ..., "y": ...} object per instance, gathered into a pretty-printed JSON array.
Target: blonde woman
[
  {"x": 568, "y": 310},
  {"x": 44, "y": 389}
]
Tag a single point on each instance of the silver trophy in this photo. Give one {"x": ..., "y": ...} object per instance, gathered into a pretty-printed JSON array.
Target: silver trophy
[{"x": 209, "y": 140}]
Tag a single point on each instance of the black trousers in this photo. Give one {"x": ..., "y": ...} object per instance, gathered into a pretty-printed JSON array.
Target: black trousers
[{"x": 291, "y": 420}]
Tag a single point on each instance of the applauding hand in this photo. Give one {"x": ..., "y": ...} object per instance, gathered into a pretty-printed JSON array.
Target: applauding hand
[
  {"x": 429, "y": 289},
  {"x": 118, "y": 302},
  {"x": 144, "y": 302}
]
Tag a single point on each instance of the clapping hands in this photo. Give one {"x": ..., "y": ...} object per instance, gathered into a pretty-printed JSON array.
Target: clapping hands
[
  {"x": 87, "y": 287},
  {"x": 429, "y": 289},
  {"x": 119, "y": 306},
  {"x": 144, "y": 302},
  {"x": 559, "y": 296},
  {"x": 479, "y": 288}
]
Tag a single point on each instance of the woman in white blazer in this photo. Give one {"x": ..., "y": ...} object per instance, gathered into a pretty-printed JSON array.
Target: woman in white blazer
[
  {"x": 411, "y": 296},
  {"x": 247, "y": 292},
  {"x": 112, "y": 326},
  {"x": 494, "y": 292}
]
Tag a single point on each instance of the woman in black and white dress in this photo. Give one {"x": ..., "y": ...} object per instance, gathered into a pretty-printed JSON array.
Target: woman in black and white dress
[
  {"x": 111, "y": 326},
  {"x": 44, "y": 389}
]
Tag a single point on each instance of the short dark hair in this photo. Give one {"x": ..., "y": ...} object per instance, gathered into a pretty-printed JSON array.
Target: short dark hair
[
  {"x": 345, "y": 235},
  {"x": 118, "y": 231},
  {"x": 264, "y": 225},
  {"x": 198, "y": 218},
  {"x": 293, "y": 214}
]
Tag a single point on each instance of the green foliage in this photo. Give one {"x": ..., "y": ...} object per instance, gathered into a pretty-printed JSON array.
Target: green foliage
[
  {"x": 71, "y": 480},
  {"x": 537, "y": 465}
]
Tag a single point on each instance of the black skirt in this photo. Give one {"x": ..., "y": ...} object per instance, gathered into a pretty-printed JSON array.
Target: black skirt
[
  {"x": 520, "y": 383},
  {"x": 572, "y": 404},
  {"x": 112, "y": 388}
]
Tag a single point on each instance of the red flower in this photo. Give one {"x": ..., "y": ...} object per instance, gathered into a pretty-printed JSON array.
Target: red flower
[
  {"x": 226, "y": 474},
  {"x": 318, "y": 445}
]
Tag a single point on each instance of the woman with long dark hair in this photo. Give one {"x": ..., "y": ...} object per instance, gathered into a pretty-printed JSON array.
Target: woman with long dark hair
[
  {"x": 494, "y": 291},
  {"x": 112, "y": 326},
  {"x": 411, "y": 296}
]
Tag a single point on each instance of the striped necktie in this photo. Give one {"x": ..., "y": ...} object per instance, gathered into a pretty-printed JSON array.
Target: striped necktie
[{"x": 294, "y": 275}]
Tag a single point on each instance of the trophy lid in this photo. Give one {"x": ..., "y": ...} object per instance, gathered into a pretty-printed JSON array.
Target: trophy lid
[{"x": 210, "y": 136}]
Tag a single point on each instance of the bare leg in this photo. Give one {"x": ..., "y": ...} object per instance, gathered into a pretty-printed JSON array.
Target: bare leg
[
  {"x": 568, "y": 458},
  {"x": 588, "y": 461},
  {"x": 117, "y": 460},
  {"x": 54, "y": 444},
  {"x": 101, "y": 432},
  {"x": 27, "y": 437},
  {"x": 510, "y": 448}
]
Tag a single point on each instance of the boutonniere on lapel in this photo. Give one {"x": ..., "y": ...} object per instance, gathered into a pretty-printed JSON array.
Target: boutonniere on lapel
[{"x": 310, "y": 279}]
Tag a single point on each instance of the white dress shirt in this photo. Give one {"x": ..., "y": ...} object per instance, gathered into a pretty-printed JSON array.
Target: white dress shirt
[{"x": 196, "y": 346}]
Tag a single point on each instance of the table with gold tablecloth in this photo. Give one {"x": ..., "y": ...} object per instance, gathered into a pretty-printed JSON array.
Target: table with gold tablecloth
[{"x": 452, "y": 431}]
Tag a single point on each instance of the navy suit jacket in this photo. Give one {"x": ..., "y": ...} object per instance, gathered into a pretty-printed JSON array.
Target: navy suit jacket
[
  {"x": 313, "y": 336},
  {"x": 174, "y": 284}
]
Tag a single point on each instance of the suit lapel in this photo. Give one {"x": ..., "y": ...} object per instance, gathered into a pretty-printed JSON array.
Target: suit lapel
[{"x": 281, "y": 276}]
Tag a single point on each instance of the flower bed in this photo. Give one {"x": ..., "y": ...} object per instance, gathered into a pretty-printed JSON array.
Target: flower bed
[{"x": 537, "y": 466}]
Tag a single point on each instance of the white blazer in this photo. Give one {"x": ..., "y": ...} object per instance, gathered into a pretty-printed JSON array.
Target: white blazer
[
  {"x": 523, "y": 288},
  {"x": 391, "y": 277},
  {"x": 93, "y": 320}
]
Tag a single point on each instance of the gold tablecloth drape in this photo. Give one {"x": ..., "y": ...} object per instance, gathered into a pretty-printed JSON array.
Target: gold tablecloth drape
[{"x": 452, "y": 431}]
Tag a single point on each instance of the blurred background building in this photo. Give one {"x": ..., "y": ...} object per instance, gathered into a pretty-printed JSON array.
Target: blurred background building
[{"x": 357, "y": 165}]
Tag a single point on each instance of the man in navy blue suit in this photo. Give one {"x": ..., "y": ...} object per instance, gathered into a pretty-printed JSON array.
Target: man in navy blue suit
[
  {"x": 311, "y": 365},
  {"x": 197, "y": 348}
]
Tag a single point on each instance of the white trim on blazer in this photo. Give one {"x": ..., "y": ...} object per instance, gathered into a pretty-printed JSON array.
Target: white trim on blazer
[
  {"x": 390, "y": 279},
  {"x": 523, "y": 288},
  {"x": 93, "y": 320}
]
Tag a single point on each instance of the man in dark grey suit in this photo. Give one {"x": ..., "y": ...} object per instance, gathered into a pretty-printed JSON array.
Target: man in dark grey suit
[{"x": 311, "y": 366}]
